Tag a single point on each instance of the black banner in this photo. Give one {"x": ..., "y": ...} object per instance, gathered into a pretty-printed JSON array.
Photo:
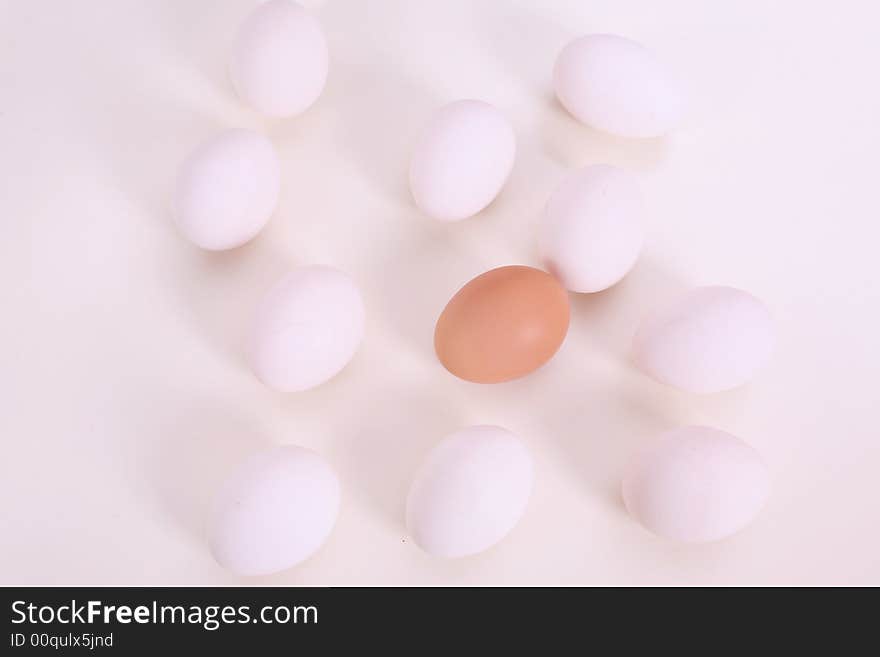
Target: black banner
[{"x": 284, "y": 620}]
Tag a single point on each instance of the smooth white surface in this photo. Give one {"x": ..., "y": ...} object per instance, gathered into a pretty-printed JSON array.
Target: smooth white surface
[
  {"x": 276, "y": 510},
  {"x": 125, "y": 396},
  {"x": 470, "y": 492},
  {"x": 307, "y": 329}
]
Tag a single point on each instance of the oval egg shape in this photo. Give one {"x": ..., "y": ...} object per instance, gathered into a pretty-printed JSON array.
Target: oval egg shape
[
  {"x": 696, "y": 484},
  {"x": 470, "y": 492},
  {"x": 618, "y": 86},
  {"x": 307, "y": 329},
  {"x": 279, "y": 61},
  {"x": 502, "y": 325},
  {"x": 593, "y": 228},
  {"x": 227, "y": 190},
  {"x": 276, "y": 510},
  {"x": 708, "y": 340},
  {"x": 462, "y": 160}
]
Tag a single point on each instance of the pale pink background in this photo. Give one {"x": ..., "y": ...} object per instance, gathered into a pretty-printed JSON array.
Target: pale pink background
[{"x": 124, "y": 398}]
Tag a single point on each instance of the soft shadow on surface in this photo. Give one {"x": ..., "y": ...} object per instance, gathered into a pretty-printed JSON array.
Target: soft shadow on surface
[
  {"x": 573, "y": 144},
  {"x": 177, "y": 87},
  {"x": 508, "y": 27},
  {"x": 200, "y": 35},
  {"x": 218, "y": 293},
  {"x": 185, "y": 451},
  {"x": 610, "y": 318},
  {"x": 381, "y": 449},
  {"x": 608, "y": 407},
  {"x": 414, "y": 279},
  {"x": 594, "y": 436},
  {"x": 380, "y": 129}
]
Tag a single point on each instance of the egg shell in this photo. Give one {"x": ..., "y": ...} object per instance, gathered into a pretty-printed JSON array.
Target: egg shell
[
  {"x": 279, "y": 61},
  {"x": 470, "y": 492},
  {"x": 709, "y": 339},
  {"x": 617, "y": 85},
  {"x": 462, "y": 160},
  {"x": 227, "y": 190},
  {"x": 696, "y": 484},
  {"x": 593, "y": 228},
  {"x": 307, "y": 329},
  {"x": 502, "y": 325},
  {"x": 276, "y": 510}
]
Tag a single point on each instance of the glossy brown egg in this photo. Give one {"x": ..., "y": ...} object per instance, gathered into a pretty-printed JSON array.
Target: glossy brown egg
[{"x": 502, "y": 325}]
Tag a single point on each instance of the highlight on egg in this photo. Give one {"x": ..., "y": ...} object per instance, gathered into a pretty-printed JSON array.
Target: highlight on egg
[
  {"x": 470, "y": 492},
  {"x": 275, "y": 511},
  {"x": 462, "y": 160},
  {"x": 227, "y": 190},
  {"x": 502, "y": 325},
  {"x": 280, "y": 59},
  {"x": 307, "y": 329},
  {"x": 696, "y": 484},
  {"x": 618, "y": 86},
  {"x": 593, "y": 228},
  {"x": 707, "y": 340}
]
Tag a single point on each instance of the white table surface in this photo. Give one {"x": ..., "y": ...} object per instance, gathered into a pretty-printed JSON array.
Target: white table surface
[{"x": 125, "y": 397}]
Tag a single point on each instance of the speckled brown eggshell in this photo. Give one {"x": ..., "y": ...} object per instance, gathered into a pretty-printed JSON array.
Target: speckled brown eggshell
[{"x": 502, "y": 325}]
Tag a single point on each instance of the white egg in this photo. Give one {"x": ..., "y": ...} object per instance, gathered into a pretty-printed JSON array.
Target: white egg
[
  {"x": 618, "y": 86},
  {"x": 470, "y": 492},
  {"x": 307, "y": 329},
  {"x": 708, "y": 340},
  {"x": 279, "y": 61},
  {"x": 696, "y": 484},
  {"x": 276, "y": 510},
  {"x": 462, "y": 160},
  {"x": 227, "y": 190},
  {"x": 593, "y": 228}
]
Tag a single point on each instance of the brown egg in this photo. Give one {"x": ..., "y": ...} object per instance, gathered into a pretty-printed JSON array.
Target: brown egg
[{"x": 502, "y": 325}]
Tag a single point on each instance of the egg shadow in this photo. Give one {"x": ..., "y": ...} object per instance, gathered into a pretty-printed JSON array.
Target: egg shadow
[
  {"x": 185, "y": 451},
  {"x": 594, "y": 435},
  {"x": 575, "y": 145},
  {"x": 137, "y": 134},
  {"x": 436, "y": 263},
  {"x": 611, "y": 317},
  {"x": 201, "y": 34},
  {"x": 381, "y": 128},
  {"x": 217, "y": 293},
  {"x": 384, "y": 444},
  {"x": 506, "y": 27},
  {"x": 608, "y": 407}
]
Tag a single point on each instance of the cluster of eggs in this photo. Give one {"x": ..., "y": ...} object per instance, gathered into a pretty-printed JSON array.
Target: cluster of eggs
[{"x": 278, "y": 508}]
